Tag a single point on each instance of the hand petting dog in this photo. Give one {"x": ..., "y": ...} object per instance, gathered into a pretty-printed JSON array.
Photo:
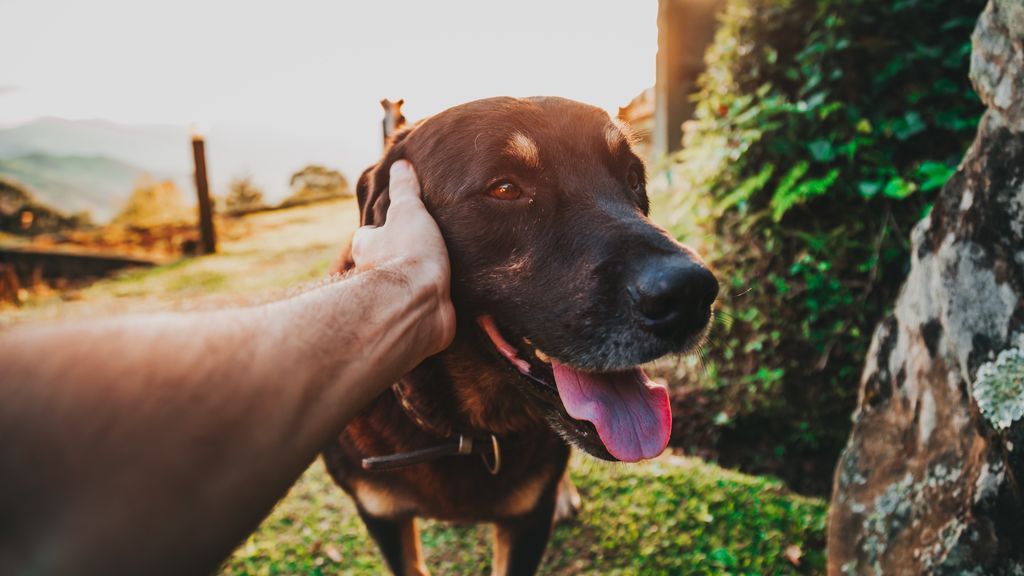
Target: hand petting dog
[
  {"x": 153, "y": 444},
  {"x": 410, "y": 245}
]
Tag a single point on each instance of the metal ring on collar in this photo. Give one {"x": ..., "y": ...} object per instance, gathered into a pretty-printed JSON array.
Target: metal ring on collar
[{"x": 493, "y": 466}]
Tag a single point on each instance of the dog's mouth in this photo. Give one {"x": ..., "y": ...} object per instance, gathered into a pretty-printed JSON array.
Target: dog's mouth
[{"x": 628, "y": 412}]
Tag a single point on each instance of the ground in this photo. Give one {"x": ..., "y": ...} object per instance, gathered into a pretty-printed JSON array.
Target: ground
[{"x": 674, "y": 515}]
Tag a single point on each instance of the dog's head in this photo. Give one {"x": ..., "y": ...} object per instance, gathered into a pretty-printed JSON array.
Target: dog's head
[{"x": 557, "y": 272}]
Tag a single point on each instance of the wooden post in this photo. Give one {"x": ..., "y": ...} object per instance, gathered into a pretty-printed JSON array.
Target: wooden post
[
  {"x": 208, "y": 238},
  {"x": 685, "y": 28}
]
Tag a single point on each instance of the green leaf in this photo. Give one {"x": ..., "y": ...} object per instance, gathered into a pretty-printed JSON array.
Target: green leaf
[
  {"x": 911, "y": 124},
  {"x": 747, "y": 188},
  {"x": 723, "y": 557},
  {"x": 869, "y": 188},
  {"x": 790, "y": 194},
  {"x": 933, "y": 175},
  {"x": 816, "y": 100},
  {"x": 822, "y": 150},
  {"x": 899, "y": 188}
]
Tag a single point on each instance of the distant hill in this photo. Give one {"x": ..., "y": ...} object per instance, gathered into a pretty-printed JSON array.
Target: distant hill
[
  {"x": 155, "y": 148},
  {"x": 75, "y": 183},
  {"x": 49, "y": 155}
]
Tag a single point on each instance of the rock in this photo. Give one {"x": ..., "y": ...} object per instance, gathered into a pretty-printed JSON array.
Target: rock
[{"x": 930, "y": 481}]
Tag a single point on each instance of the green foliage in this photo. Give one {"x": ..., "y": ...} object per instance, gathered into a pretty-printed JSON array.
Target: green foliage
[
  {"x": 823, "y": 130},
  {"x": 670, "y": 516}
]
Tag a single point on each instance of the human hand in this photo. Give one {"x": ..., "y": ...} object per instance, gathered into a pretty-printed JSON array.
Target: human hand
[{"x": 410, "y": 245}]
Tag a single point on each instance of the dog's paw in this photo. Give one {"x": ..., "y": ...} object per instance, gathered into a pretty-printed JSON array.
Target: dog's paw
[{"x": 568, "y": 503}]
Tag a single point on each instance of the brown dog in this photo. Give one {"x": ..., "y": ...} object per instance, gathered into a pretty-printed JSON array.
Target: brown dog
[{"x": 562, "y": 286}]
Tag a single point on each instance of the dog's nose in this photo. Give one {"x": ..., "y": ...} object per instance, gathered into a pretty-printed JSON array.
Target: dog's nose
[{"x": 674, "y": 297}]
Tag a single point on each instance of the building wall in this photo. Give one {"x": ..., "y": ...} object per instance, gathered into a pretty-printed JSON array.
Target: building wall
[{"x": 685, "y": 28}]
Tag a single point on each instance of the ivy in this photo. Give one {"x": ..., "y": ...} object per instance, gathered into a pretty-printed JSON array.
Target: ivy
[{"x": 823, "y": 131}]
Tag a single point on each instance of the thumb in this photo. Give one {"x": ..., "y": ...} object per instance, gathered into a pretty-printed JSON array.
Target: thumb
[{"x": 403, "y": 186}]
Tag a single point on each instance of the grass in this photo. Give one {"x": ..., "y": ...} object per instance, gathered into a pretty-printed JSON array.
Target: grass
[
  {"x": 671, "y": 516},
  {"x": 260, "y": 256}
]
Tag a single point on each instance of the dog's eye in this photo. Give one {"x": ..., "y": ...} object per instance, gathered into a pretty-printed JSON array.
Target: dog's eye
[
  {"x": 634, "y": 179},
  {"x": 505, "y": 191}
]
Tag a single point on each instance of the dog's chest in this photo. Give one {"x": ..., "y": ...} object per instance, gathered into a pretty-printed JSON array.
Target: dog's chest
[
  {"x": 486, "y": 502},
  {"x": 460, "y": 488}
]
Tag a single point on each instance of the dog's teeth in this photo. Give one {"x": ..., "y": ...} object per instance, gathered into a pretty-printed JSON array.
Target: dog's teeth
[
  {"x": 527, "y": 341},
  {"x": 542, "y": 357}
]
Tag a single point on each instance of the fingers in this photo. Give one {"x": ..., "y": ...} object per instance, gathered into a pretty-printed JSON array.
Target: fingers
[
  {"x": 403, "y": 188},
  {"x": 403, "y": 181}
]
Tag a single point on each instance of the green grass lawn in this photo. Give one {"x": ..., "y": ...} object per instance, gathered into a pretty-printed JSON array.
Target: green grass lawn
[{"x": 671, "y": 516}]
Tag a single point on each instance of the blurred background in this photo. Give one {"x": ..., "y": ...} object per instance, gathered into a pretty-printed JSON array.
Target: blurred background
[{"x": 793, "y": 142}]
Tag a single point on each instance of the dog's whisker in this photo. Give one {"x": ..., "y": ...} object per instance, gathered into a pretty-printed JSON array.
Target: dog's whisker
[
  {"x": 702, "y": 354},
  {"x": 722, "y": 321}
]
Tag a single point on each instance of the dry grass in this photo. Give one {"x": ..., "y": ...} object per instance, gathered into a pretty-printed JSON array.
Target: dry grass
[{"x": 260, "y": 257}]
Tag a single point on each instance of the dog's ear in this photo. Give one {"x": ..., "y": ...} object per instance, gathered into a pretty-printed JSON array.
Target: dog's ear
[{"x": 372, "y": 188}]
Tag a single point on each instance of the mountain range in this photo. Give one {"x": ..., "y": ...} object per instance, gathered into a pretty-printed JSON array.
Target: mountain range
[
  {"x": 96, "y": 184},
  {"x": 76, "y": 165}
]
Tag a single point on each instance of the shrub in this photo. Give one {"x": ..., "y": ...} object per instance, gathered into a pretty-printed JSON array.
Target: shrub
[
  {"x": 314, "y": 183},
  {"x": 243, "y": 196},
  {"x": 823, "y": 130},
  {"x": 153, "y": 204}
]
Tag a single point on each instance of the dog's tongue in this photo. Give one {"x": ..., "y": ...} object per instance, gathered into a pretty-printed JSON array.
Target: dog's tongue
[{"x": 631, "y": 413}]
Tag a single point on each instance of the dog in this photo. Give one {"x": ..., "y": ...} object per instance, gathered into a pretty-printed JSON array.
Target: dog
[{"x": 562, "y": 286}]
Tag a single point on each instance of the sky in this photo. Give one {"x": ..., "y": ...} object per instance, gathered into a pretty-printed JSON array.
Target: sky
[{"x": 309, "y": 74}]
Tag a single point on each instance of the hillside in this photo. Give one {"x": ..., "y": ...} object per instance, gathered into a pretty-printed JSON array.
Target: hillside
[
  {"x": 75, "y": 183},
  {"x": 154, "y": 148},
  {"x": 268, "y": 158}
]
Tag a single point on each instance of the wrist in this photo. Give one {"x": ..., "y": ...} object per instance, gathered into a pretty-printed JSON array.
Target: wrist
[{"x": 421, "y": 289}]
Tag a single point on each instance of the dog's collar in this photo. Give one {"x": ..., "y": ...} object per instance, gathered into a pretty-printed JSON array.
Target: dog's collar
[
  {"x": 490, "y": 453},
  {"x": 486, "y": 446},
  {"x": 419, "y": 417}
]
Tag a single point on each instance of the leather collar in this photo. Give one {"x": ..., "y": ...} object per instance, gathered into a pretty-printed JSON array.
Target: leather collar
[{"x": 486, "y": 446}]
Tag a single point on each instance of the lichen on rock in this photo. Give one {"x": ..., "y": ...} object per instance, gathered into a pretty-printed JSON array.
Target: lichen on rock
[{"x": 999, "y": 389}]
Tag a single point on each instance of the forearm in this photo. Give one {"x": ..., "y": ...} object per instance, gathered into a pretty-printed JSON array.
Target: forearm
[{"x": 182, "y": 431}]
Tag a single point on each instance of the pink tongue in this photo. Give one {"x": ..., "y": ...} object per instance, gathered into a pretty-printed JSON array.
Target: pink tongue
[{"x": 631, "y": 413}]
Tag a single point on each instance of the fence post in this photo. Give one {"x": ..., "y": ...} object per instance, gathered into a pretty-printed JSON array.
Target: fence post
[{"x": 208, "y": 237}]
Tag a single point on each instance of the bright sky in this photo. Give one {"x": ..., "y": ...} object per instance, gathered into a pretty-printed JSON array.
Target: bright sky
[{"x": 313, "y": 71}]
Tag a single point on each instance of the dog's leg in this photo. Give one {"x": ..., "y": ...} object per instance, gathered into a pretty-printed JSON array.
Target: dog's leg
[
  {"x": 568, "y": 503},
  {"x": 399, "y": 543},
  {"x": 519, "y": 544}
]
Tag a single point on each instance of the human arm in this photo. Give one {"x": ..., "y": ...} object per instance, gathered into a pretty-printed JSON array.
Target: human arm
[{"x": 154, "y": 444}]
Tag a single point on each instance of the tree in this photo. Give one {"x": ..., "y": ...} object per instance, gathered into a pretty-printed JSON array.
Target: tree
[
  {"x": 154, "y": 203},
  {"x": 314, "y": 183},
  {"x": 929, "y": 482},
  {"x": 243, "y": 195}
]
